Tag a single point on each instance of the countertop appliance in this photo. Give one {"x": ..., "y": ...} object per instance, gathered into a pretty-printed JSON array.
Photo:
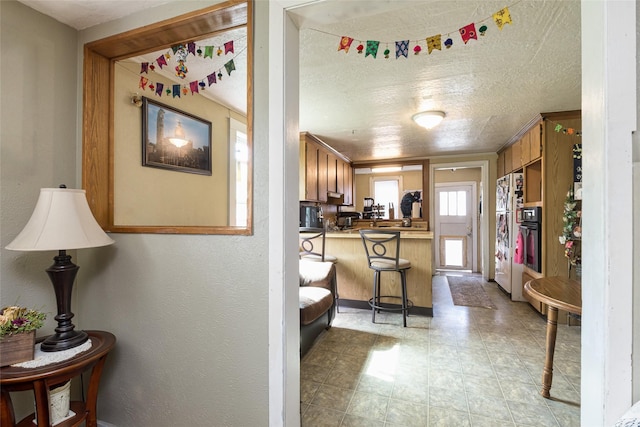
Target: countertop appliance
[
  {"x": 311, "y": 216},
  {"x": 345, "y": 219}
]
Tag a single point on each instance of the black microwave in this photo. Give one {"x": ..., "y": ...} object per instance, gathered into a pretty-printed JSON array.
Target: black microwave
[{"x": 532, "y": 214}]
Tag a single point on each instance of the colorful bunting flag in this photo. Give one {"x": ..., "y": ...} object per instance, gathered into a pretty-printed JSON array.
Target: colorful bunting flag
[
  {"x": 191, "y": 47},
  {"x": 194, "y": 87},
  {"x": 161, "y": 61},
  {"x": 208, "y": 51},
  {"x": 211, "y": 78},
  {"x": 176, "y": 91},
  {"x": 144, "y": 68},
  {"x": 502, "y": 17},
  {"x": 372, "y": 48},
  {"x": 143, "y": 82},
  {"x": 434, "y": 42},
  {"x": 345, "y": 43},
  {"x": 159, "y": 87},
  {"x": 230, "y": 66},
  {"x": 402, "y": 49},
  {"x": 228, "y": 47},
  {"x": 468, "y": 32}
]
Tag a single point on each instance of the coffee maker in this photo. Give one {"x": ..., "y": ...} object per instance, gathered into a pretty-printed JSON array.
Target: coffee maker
[{"x": 311, "y": 216}]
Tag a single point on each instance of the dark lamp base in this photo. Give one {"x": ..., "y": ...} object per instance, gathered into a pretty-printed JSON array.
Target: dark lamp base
[
  {"x": 62, "y": 274},
  {"x": 60, "y": 342}
]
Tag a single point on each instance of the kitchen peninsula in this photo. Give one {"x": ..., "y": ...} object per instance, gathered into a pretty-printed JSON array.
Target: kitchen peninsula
[{"x": 355, "y": 279}]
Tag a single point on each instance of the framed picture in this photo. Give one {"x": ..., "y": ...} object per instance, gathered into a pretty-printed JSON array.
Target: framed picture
[{"x": 175, "y": 140}]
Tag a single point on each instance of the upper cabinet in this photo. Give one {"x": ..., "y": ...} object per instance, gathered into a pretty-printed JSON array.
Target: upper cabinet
[{"x": 325, "y": 175}]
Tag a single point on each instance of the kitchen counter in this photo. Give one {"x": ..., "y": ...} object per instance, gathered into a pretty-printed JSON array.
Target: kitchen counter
[{"x": 355, "y": 279}]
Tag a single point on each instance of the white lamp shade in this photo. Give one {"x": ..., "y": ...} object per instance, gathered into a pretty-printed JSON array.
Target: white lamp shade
[
  {"x": 61, "y": 220},
  {"x": 428, "y": 119}
]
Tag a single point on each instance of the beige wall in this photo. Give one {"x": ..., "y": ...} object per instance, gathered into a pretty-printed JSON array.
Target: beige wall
[
  {"x": 411, "y": 180},
  {"x": 152, "y": 196}
]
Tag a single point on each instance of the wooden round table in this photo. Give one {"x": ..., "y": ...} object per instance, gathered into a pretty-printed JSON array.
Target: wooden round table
[
  {"x": 43, "y": 378},
  {"x": 557, "y": 293}
]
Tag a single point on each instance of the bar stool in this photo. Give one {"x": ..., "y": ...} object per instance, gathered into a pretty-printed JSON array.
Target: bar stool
[
  {"x": 312, "y": 249},
  {"x": 383, "y": 254}
]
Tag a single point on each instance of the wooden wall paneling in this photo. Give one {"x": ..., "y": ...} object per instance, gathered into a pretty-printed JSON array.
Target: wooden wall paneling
[
  {"x": 558, "y": 175},
  {"x": 97, "y": 133}
]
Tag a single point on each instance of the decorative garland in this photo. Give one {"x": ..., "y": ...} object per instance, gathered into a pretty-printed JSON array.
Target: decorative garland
[
  {"x": 431, "y": 43},
  {"x": 567, "y": 131},
  {"x": 571, "y": 229},
  {"x": 182, "y": 52}
]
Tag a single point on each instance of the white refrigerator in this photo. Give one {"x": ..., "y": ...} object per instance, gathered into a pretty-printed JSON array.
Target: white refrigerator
[{"x": 509, "y": 200}]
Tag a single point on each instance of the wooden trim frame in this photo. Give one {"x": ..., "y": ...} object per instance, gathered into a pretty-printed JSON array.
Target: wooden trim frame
[{"x": 98, "y": 104}]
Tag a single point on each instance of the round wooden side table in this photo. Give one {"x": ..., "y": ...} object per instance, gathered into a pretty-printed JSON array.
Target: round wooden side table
[{"x": 44, "y": 378}]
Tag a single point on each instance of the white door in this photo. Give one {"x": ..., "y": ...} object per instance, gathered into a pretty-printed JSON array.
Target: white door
[{"x": 455, "y": 226}]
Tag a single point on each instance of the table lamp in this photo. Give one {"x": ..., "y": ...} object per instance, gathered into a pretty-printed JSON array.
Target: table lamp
[{"x": 61, "y": 221}]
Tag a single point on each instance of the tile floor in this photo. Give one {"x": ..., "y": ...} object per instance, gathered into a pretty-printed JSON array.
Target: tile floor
[{"x": 465, "y": 366}]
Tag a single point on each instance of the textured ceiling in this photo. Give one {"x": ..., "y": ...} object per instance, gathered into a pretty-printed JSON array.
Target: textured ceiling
[{"x": 489, "y": 88}]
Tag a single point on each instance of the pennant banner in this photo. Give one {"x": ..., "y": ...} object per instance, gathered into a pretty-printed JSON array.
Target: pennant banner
[
  {"x": 402, "y": 49},
  {"x": 345, "y": 43},
  {"x": 433, "y": 42},
  {"x": 230, "y": 66},
  {"x": 372, "y": 48},
  {"x": 468, "y": 32},
  {"x": 502, "y": 17},
  {"x": 194, "y": 86}
]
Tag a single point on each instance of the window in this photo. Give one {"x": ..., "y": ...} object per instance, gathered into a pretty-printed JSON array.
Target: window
[
  {"x": 453, "y": 203},
  {"x": 386, "y": 190},
  {"x": 238, "y": 173}
]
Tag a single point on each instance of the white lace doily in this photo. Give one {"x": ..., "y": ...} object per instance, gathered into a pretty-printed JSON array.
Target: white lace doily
[{"x": 43, "y": 358}]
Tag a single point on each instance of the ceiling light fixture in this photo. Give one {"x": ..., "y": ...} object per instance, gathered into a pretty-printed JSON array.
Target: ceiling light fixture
[{"x": 428, "y": 119}]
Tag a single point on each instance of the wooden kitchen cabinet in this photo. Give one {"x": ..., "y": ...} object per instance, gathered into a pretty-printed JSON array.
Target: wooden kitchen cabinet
[
  {"x": 508, "y": 165},
  {"x": 323, "y": 170},
  {"x": 348, "y": 184},
  {"x": 500, "y": 172},
  {"x": 533, "y": 183},
  {"x": 310, "y": 175},
  {"x": 332, "y": 170},
  {"x": 516, "y": 155},
  {"x": 323, "y": 165},
  {"x": 534, "y": 137}
]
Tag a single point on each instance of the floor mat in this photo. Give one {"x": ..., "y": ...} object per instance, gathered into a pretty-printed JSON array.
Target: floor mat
[{"x": 468, "y": 291}]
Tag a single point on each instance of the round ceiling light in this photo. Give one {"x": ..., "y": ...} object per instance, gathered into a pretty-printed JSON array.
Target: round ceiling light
[{"x": 428, "y": 119}]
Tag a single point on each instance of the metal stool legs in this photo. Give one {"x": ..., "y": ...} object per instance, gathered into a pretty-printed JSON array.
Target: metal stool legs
[{"x": 376, "y": 304}]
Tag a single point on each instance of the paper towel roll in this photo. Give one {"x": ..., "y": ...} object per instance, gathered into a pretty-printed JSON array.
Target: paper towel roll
[{"x": 415, "y": 210}]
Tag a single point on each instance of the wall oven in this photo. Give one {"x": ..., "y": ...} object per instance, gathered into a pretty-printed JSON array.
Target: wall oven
[{"x": 531, "y": 232}]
